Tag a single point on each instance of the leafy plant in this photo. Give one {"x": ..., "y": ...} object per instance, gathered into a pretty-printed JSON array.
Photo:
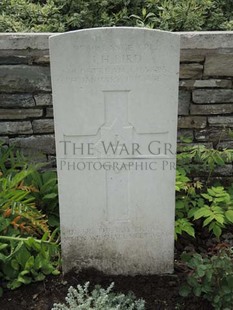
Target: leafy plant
[
  {"x": 99, "y": 298},
  {"x": 19, "y": 214},
  {"x": 148, "y": 20},
  {"x": 26, "y": 260},
  {"x": 60, "y": 15},
  {"x": 28, "y": 249},
  {"x": 213, "y": 205},
  {"x": 219, "y": 210},
  {"x": 45, "y": 194},
  {"x": 210, "y": 277}
]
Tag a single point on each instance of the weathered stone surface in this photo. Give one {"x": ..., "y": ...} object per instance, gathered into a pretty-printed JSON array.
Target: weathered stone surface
[
  {"x": 206, "y": 40},
  {"x": 13, "y": 60},
  {"x": 219, "y": 65},
  {"x": 181, "y": 146},
  {"x": 212, "y": 134},
  {"x": 225, "y": 145},
  {"x": 212, "y": 83},
  {"x": 43, "y": 60},
  {"x": 184, "y": 134},
  {"x": 19, "y": 41},
  {"x": 215, "y": 83},
  {"x": 201, "y": 109},
  {"x": 221, "y": 121},
  {"x": 184, "y": 102},
  {"x": 224, "y": 171},
  {"x": 192, "y": 122},
  {"x": 189, "y": 40},
  {"x": 16, "y": 101},
  {"x": 132, "y": 96},
  {"x": 187, "y": 84},
  {"x": 41, "y": 143},
  {"x": 212, "y": 95},
  {"x": 49, "y": 112},
  {"x": 221, "y": 171},
  {"x": 52, "y": 159},
  {"x": 191, "y": 71},
  {"x": 188, "y": 56},
  {"x": 43, "y": 99},
  {"x": 43, "y": 126},
  {"x": 14, "y": 128},
  {"x": 24, "y": 78},
  {"x": 4, "y": 140},
  {"x": 11, "y": 114}
]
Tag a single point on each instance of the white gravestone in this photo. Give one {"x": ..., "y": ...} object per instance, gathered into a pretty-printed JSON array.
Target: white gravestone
[{"x": 115, "y": 93}]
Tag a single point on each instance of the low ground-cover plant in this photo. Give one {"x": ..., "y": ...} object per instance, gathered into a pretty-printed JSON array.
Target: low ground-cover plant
[
  {"x": 98, "y": 299},
  {"x": 26, "y": 260},
  {"x": 29, "y": 243},
  {"x": 210, "y": 277}
]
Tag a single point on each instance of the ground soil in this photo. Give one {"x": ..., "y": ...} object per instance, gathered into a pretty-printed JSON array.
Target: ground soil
[{"x": 159, "y": 292}]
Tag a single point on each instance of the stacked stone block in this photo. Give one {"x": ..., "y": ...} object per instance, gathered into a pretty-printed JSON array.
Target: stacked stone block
[
  {"x": 205, "y": 97},
  {"x": 206, "y": 90},
  {"x": 26, "y": 115}
]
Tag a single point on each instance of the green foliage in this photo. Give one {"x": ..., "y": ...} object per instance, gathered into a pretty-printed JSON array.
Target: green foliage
[
  {"x": 19, "y": 214},
  {"x": 60, "y": 15},
  {"x": 212, "y": 205},
  {"x": 99, "y": 298},
  {"x": 175, "y": 15},
  {"x": 219, "y": 210},
  {"x": 211, "y": 278},
  {"x": 28, "y": 203},
  {"x": 45, "y": 194},
  {"x": 25, "y": 16},
  {"x": 26, "y": 260}
]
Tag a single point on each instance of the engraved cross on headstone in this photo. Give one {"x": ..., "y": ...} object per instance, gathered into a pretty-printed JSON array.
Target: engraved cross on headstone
[{"x": 116, "y": 131}]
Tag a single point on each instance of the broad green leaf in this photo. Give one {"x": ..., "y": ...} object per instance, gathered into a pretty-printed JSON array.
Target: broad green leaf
[
  {"x": 180, "y": 204},
  {"x": 229, "y": 215},
  {"x": 40, "y": 277},
  {"x": 208, "y": 220},
  {"x": 14, "y": 284},
  {"x": 219, "y": 218},
  {"x": 217, "y": 231},
  {"x": 208, "y": 197},
  {"x": 50, "y": 196},
  {"x": 3, "y": 246},
  {"x": 30, "y": 263},
  {"x": 24, "y": 279},
  {"x": 203, "y": 212},
  {"x": 22, "y": 256},
  {"x": 56, "y": 272},
  {"x": 15, "y": 264}
]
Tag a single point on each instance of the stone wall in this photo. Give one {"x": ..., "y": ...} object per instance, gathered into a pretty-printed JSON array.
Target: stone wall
[{"x": 205, "y": 98}]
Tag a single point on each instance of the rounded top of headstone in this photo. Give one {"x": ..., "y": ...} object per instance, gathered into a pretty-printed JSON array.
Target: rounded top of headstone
[{"x": 105, "y": 30}]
